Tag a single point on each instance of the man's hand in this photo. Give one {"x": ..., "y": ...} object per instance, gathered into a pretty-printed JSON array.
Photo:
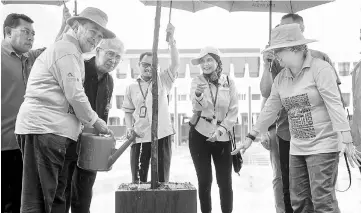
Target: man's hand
[
  {"x": 102, "y": 127},
  {"x": 66, "y": 14},
  {"x": 200, "y": 89},
  {"x": 170, "y": 31},
  {"x": 129, "y": 132},
  {"x": 265, "y": 141}
]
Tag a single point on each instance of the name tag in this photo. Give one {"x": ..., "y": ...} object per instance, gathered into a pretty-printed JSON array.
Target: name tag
[{"x": 143, "y": 112}]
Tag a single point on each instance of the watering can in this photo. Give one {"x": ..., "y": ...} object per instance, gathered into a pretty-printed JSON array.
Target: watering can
[{"x": 98, "y": 152}]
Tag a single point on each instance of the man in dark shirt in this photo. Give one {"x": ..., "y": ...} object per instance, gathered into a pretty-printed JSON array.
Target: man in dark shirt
[
  {"x": 279, "y": 144},
  {"x": 98, "y": 86}
]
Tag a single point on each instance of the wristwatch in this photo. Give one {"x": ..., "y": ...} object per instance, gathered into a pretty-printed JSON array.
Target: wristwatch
[
  {"x": 172, "y": 43},
  {"x": 250, "y": 137}
]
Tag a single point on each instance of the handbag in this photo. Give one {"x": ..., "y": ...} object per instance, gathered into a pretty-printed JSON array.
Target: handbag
[{"x": 237, "y": 159}]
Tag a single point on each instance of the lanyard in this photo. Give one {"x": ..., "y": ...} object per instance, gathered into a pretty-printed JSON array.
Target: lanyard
[
  {"x": 146, "y": 92},
  {"x": 214, "y": 99}
]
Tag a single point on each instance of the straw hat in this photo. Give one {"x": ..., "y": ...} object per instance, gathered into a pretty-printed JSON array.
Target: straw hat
[
  {"x": 287, "y": 35},
  {"x": 96, "y": 16},
  {"x": 204, "y": 52}
]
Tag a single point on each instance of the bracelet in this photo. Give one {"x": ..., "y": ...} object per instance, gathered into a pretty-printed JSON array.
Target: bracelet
[{"x": 250, "y": 137}]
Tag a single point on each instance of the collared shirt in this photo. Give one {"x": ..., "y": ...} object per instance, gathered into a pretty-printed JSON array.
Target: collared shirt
[
  {"x": 99, "y": 92},
  {"x": 15, "y": 70},
  {"x": 226, "y": 105},
  {"x": 282, "y": 124},
  {"x": 314, "y": 107},
  {"x": 356, "y": 94},
  {"x": 134, "y": 102},
  {"x": 55, "y": 101}
]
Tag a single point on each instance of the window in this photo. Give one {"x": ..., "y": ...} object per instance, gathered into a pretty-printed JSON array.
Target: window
[
  {"x": 114, "y": 121},
  {"x": 346, "y": 98},
  {"x": 344, "y": 68},
  {"x": 241, "y": 96},
  {"x": 182, "y": 97},
  {"x": 118, "y": 74},
  {"x": 119, "y": 100},
  {"x": 256, "y": 96}
]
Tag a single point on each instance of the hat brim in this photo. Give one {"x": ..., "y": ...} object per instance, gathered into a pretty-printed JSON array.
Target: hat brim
[
  {"x": 195, "y": 61},
  {"x": 289, "y": 44},
  {"x": 107, "y": 34}
]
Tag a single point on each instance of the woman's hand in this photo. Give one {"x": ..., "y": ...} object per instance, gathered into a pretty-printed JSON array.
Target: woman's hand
[
  {"x": 265, "y": 141},
  {"x": 200, "y": 89},
  {"x": 352, "y": 155},
  {"x": 242, "y": 146},
  {"x": 216, "y": 134}
]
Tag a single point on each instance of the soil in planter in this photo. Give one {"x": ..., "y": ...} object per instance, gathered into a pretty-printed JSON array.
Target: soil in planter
[{"x": 161, "y": 187}]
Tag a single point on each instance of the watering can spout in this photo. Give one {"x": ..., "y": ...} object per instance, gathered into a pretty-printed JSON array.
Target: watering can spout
[{"x": 119, "y": 152}]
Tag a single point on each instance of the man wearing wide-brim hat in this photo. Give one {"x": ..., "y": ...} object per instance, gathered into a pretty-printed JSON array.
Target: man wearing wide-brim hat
[
  {"x": 54, "y": 108},
  {"x": 306, "y": 88}
]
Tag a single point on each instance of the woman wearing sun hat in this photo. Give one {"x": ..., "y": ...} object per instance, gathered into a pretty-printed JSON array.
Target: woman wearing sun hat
[
  {"x": 306, "y": 88},
  {"x": 215, "y": 103}
]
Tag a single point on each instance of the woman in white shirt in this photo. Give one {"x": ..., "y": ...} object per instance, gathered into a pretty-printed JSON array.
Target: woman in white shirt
[
  {"x": 214, "y": 99},
  {"x": 307, "y": 89}
]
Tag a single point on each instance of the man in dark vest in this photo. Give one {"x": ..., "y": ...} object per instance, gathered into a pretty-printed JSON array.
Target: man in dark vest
[{"x": 98, "y": 86}]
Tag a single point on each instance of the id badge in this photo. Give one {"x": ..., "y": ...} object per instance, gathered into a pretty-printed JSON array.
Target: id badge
[{"x": 143, "y": 112}]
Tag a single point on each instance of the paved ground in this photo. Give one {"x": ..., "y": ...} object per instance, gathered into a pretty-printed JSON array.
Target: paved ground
[{"x": 252, "y": 190}]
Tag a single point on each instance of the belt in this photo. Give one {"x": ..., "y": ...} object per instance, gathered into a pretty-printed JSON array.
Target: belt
[{"x": 209, "y": 120}]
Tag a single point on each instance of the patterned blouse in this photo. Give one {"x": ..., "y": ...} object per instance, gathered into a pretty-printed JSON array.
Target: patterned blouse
[{"x": 313, "y": 104}]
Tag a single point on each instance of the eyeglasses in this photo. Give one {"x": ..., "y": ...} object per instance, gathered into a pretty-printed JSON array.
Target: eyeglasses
[
  {"x": 145, "y": 65},
  {"x": 111, "y": 54},
  {"x": 26, "y": 32}
]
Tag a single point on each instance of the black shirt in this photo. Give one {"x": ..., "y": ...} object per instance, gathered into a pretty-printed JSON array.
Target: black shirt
[{"x": 100, "y": 91}]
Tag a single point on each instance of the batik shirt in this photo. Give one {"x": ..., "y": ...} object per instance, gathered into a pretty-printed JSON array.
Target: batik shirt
[{"x": 313, "y": 105}]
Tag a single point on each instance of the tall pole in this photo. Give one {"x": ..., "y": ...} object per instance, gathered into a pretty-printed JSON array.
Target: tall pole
[
  {"x": 176, "y": 126},
  {"x": 154, "y": 127},
  {"x": 75, "y": 7},
  {"x": 270, "y": 23},
  {"x": 249, "y": 109}
]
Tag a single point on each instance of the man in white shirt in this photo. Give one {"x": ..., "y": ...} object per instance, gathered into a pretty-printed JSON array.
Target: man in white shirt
[
  {"x": 138, "y": 107},
  {"x": 55, "y": 105}
]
